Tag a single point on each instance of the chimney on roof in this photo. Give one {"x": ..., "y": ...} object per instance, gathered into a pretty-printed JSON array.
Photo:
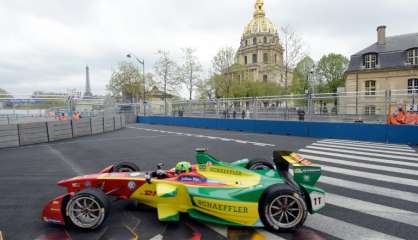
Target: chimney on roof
[{"x": 381, "y": 35}]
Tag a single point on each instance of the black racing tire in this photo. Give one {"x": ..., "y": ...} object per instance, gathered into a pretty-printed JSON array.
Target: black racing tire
[
  {"x": 282, "y": 209},
  {"x": 126, "y": 167},
  {"x": 87, "y": 209},
  {"x": 259, "y": 164}
]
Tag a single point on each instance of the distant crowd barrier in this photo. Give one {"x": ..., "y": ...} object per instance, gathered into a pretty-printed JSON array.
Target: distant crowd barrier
[
  {"x": 15, "y": 135},
  {"x": 404, "y": 134}
]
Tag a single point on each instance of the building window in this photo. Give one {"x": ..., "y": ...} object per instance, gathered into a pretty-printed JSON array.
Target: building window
[
  {"x": 254, "y": 41},
  {"x": 413, "y": 56},
  {"x": 265, "y": 39},
  {"x": 370, "y": 87},
  {"x": 413, "y": 85},
  {"x": 275, "y": 58},
  {"x": 265, "y": 58},
  {"x": 245, "y": 60},
  {"x": 370, "y": 110},
  {"x": 246, "y": 42},
  {"x": 254, "y": 58},
  {"x": 265, "y": 78},
  {"x": 370, "y": 60}
]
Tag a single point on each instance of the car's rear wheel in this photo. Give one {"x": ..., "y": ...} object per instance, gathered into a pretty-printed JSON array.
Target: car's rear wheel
[
  {"x": 259, "y": 164},
  {"x": 126, "y": 167},
  {"x": 282, "y": 209},
  {"x": 87, "y": 209}
]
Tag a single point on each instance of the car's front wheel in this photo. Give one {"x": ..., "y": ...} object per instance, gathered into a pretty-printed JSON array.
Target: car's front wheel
[
  {"x": 87, "y": 209},
  {"x": 282, "y": 209}
]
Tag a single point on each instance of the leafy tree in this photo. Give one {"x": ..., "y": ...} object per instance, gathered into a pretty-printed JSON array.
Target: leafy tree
[
  {"x": 331, "y": 70},
  {"x": 301, "y": 75},
  {"x": 207, "y": 88},
  {"x": 127, "y": 83},
  {"x": 293, "y": 51},
  {"x": 165, "y": 71},
  {"x": 189, "y": 71},
  {"x": 222, "y": 63}
]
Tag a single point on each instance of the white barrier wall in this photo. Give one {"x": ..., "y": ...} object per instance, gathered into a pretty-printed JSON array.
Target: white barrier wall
[
  {"x": 96, "y": 125},
  {"x": 118, "y": 124},
  {"x": 81, "y": 127},
  {"x": 9, "y": 136},
  {"x": 43, "y": 132},
  {"x": 32, "y": 133},
  {"x": 109, "y": 124},
  {"x": 59, "y": 130},
  {"x": 123, "y": 120}
]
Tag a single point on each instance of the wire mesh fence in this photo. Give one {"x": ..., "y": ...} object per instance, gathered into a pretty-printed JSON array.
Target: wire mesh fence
[{"x": 370, "y": 106}]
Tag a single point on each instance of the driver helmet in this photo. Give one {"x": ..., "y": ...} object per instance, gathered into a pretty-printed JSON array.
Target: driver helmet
[{"x": 183, "y": 167}]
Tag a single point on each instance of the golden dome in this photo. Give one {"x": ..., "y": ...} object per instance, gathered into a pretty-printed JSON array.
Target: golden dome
[{"x": 259, "y": 23}]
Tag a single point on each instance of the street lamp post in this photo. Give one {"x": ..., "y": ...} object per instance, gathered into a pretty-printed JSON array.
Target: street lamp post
[{"x": 142, "y": 62}]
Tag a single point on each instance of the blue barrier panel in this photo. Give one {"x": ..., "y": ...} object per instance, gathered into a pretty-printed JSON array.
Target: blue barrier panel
[
  {"x": 402, "y": 134},
  {"x": 283, "y": 128},
  {"x": 350, "y": 131}
]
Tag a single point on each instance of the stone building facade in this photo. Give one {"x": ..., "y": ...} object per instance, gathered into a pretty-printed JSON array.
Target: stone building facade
[
  {"x": 391, "y": 63},
  {"x": 260, "y": 55}
]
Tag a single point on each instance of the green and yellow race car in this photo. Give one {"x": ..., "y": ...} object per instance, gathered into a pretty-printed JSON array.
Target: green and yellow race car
[{"x": 259, "y": 193}]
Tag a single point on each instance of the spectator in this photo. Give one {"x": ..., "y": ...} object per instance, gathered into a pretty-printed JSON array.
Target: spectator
[
  {"x": 325, "y": 109},
  {"x": 243, "y": 114},
  {"x": 234, "y": 114},
  {"x": 301, "y": 114},
  {"x": 401, "y": 116}
]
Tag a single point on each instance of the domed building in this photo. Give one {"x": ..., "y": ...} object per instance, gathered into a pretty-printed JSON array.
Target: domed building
[{"x": 260, "y": 55}]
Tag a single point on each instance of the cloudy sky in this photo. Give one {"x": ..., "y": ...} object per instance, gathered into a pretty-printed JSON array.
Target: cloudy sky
[{"x": 45, "y": 44}]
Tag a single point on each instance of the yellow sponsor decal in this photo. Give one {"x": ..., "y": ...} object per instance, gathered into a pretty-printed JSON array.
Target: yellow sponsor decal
[
  {"x": 221, "y": 207},
  {"x": 229, "y": 175},
  {"x": 224, "y": 170},
  {"x": 245, "y": 213}
]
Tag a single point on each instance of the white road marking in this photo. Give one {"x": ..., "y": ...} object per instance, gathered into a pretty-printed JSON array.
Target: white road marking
[
  {"x": 369, "y": 149},
  {"x": 374, "y": 176},
  {"x": 209, "y": 137},
  {"x": 344, "y": 230},
  {"x": 378, "y": 210},
  {"x": 364, "y": 153},
  {"x": 362, "y": 165},
  {"x": 370, "y": 159},
  {"x": 67, "y": 161},
  {"x": 387, "y": 192},
  {"x": 368, "y": 143},
  {"x": 157, "y": 237},
  {"x": 226, "y": 139},
  {"x": 366, "y": 146}
]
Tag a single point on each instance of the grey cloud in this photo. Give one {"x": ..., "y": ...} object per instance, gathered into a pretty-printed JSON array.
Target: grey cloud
[{"x": 46, "y": 43}]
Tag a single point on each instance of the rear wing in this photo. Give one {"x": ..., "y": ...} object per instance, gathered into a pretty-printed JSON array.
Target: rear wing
[
  {"x": 304, "y": 171},
  {"x": 202, "y": 157}
]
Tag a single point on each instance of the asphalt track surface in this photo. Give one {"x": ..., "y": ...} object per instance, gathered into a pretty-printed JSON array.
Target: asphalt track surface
[{"x": 372, "y": 188}]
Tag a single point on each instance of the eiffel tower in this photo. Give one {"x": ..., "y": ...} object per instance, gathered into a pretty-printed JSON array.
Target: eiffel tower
[{"x": 87, "y": 92}]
